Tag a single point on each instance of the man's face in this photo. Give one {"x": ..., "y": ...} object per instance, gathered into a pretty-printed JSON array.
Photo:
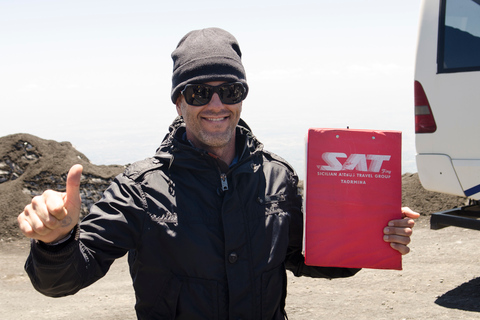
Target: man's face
[{"x": 212, "y": 125}]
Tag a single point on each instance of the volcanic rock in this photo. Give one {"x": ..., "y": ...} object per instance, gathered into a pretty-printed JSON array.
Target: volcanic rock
[{"x": 30, "y": 165}]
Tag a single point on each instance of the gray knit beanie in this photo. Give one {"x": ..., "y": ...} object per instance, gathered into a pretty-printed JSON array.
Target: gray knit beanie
[{"x": 206, "y": 55}]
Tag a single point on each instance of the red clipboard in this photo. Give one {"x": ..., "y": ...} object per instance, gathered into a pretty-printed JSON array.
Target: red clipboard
[{"x": 353, "y": 188}]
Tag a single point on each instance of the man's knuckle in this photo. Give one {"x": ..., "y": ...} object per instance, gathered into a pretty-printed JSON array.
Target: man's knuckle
[
  {"x": 48, "y": 192},
  {"x": 36, "y": 201}
]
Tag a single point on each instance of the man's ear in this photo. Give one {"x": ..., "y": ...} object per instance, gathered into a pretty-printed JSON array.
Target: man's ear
[{"x": 178, "y": 105}]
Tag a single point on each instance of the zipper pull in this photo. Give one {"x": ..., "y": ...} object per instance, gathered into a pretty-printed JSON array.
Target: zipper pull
[{"x": 223, "y": 178}]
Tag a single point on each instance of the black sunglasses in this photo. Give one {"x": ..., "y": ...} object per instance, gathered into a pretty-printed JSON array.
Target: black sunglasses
[{"x": 201, "y": 94}]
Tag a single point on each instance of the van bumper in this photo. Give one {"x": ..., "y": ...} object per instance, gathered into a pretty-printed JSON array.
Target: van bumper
[
  {"x": 436, "y": 173},
  {"x": 440, "y": 173}
]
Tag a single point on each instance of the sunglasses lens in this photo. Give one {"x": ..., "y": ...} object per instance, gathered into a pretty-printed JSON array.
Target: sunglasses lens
[
  {"x": 231, "y": 93},
  {"x": 197, "y": 94},
  {"x": 201, "y": 94}
]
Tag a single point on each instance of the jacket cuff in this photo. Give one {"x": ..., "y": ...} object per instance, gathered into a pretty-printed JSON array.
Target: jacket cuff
[{"x": 48, "y": 254}]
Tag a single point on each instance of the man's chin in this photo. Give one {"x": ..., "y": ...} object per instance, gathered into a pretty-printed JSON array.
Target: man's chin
[{"x": 216, "y": 140}]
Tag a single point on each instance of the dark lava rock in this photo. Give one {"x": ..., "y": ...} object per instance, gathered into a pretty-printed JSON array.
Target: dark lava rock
[{"x": 30, "y": 165}]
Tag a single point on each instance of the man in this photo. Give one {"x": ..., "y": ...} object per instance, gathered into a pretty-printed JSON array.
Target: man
[{"x": 210, "y": 223}]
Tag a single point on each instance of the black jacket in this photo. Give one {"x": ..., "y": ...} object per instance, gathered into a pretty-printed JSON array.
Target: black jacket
[{"x": 203, "y": 243}]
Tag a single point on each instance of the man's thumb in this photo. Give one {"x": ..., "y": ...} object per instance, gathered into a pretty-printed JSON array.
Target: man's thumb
[{"x": 73, "y": 187}]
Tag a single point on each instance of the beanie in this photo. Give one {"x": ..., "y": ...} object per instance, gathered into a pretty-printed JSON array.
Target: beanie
[{"x": 206, "y": 55}]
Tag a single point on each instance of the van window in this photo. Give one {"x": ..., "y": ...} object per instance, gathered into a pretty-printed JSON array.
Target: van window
[{"x": 459, "y": 36}]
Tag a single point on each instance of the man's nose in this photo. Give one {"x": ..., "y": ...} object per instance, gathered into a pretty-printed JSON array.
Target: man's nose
[{"x": 215, "y": 101}]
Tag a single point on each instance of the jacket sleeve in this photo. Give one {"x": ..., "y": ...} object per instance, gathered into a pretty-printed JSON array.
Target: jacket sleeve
[
  {"x": 295, "y": 261},
  {"x": 107, "y": 233}
]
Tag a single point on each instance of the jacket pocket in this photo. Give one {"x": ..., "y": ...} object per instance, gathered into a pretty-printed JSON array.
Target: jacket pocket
[
  {"x": 165, "y": 306},
  {"x": 274, "y": 288},
  {"x": 198, "y": 299}
]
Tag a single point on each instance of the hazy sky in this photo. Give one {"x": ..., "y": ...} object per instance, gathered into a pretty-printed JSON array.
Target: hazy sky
[{"x": 98, "y": 73}]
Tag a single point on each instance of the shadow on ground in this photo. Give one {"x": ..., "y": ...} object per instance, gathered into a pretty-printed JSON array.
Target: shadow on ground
[{"x": 465, "y": 297}]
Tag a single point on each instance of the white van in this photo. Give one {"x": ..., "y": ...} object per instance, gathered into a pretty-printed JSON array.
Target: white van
[{"x": 447, "y": 97}]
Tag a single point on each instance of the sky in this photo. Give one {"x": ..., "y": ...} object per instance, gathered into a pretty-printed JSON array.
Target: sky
[{"x": 98, "y": 73}]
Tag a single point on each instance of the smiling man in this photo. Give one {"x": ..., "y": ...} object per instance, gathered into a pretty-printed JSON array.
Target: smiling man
[
  {"x": 211, "y": 222},
  {"x": 208, "y": 87}
]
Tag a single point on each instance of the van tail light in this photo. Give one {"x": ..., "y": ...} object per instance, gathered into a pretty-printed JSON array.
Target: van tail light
[{"x": 424, "y": 121}]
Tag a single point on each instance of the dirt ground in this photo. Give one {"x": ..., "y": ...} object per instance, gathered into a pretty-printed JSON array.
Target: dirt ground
[{"x": 440, "y": 280}]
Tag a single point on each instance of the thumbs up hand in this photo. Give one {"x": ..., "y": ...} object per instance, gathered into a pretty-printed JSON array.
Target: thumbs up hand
[{"x": 51, "y": 216}]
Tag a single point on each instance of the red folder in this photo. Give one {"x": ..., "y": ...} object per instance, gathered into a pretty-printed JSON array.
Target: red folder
[{"x": 353, "y": 189}]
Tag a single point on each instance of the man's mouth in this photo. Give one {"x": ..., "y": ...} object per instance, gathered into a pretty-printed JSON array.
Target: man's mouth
[{"x": 216, "y": 119}]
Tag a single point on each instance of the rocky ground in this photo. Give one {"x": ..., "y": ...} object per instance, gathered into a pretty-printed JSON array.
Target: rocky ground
[{"x": 440, "y": 277}]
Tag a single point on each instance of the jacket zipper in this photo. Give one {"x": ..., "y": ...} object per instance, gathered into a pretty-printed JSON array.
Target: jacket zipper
[{"x": 223, "y": 179}]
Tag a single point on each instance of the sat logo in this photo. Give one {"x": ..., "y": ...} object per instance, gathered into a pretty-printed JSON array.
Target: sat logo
[{"x": 355, "y": 161}]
